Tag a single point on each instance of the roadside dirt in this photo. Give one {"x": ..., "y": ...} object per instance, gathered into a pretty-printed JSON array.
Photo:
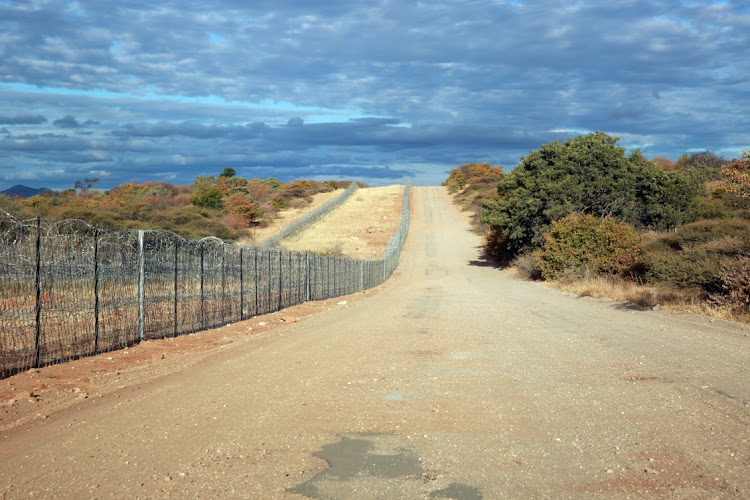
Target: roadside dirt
[
  {"x": 40, "y": 393},
  {"x": 452, "y": 380}
]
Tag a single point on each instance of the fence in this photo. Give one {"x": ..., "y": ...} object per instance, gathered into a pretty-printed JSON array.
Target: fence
[
  {"x": 69, "y": 290},
  {"x": 303, "y": 222}
]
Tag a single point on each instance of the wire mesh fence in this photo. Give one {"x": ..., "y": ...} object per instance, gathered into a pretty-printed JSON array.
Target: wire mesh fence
[
  {"x": 305, "y": 221},
  {"x": 69, "y": 290}
]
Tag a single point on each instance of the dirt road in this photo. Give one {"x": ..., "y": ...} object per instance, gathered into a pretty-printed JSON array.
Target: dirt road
[{"x": 455, "y": 381}]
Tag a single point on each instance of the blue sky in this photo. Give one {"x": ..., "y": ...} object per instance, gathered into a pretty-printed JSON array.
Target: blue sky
[{"x": 373, "y": 90}]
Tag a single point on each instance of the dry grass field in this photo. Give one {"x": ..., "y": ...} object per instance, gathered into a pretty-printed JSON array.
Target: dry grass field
[
  {"x": 359, "y": 229},
  {"x": 292, "y": 213}
]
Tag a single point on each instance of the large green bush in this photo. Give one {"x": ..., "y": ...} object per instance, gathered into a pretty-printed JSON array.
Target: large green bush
[
  {"x": 603, "y": 245},
  {"x": 588, "y": 174}
]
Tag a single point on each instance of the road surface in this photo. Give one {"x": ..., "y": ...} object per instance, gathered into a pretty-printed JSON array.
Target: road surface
[{"x": 456, "y": 380}]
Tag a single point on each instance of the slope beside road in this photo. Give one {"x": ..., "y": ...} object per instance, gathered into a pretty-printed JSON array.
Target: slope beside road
[{"x": 455, "y": 380}]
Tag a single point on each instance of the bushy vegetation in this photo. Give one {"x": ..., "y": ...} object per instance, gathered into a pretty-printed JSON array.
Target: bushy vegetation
[
  {"x": 225, "y": 206},
  {"x": 590, "y": 175},
  {"x": 471, "y": 184},
  {"x": 677, "y": 228},
  {"x": 602, "y": 246}
]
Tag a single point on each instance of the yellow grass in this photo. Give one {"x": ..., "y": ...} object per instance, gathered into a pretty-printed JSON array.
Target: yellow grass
[
  {"x": 359, "y": 229},
  {"x": 287, "y": 216},
  {"x": 649, "y": 296}
]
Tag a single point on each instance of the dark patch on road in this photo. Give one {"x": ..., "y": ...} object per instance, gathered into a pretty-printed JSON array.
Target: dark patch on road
[
  {"x": 352, "y": 458},
  {"x": 458, "y": 491},
  {"x": 424, "y": 308}
]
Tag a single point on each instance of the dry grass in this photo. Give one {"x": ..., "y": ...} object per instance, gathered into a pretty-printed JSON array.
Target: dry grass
[
  {"x": 358, "y": 229},
  {"x": 287, "y": 216},
  {"x": 686, "y": 300}
]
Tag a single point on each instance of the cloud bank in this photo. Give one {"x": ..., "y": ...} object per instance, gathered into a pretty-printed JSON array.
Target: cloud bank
[{"x": 375, "y": 90}]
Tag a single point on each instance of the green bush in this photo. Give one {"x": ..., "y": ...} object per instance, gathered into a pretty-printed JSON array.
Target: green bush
[
  {"x": 279, "y": 203},
  {"x": 588, "y": 174},
  {"x": 605, "y": 246},
  {"x": 208, "y": 196}
]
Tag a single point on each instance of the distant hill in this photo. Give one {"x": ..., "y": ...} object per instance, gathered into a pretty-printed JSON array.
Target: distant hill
[{"x": 22, "y": 191}]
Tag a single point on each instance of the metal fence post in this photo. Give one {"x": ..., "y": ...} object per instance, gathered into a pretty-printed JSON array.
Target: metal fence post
[
  {"x": 141, "y": 272},
  {"x": 96, "y": 291},
  {"x": 203, "y": 312},
  {"x": 256, "y": 281},
  {"x": 269, "y": 307},
  {"x": 242, "y": 287},
  {"x": 307, "y": 277},
  {"x": 223, "y": 283},
  {"x": 280, "y": 279},
  {"x": 176, "y": 249},
  {"x": 38, "y": 284}
]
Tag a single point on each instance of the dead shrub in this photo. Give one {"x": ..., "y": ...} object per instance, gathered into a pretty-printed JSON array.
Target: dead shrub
[
  {"x": 526, "y": 266},
  {"x": 734, "y": 288}
]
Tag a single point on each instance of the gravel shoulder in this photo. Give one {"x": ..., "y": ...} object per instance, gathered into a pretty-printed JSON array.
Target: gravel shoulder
[{"x": 454, "y": 379}]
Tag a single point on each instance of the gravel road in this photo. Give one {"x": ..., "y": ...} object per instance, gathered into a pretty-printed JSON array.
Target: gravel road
[{"x": 456, "y": 380}]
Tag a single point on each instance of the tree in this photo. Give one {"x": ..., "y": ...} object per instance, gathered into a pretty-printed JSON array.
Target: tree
[
  {"x": 86, "y": 185},
  {"x": 588, "y": 174},
  {"x": 228, "y": 172},
  {"x": 735, "y": 179},
  {"x": 245, "y": 208},
  {"x": 206, "y": 194},
  {"x": 701, "y": 158}
]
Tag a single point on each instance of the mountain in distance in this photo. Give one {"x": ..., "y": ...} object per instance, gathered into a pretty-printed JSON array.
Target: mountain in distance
[{"x": 22, "y": 191}]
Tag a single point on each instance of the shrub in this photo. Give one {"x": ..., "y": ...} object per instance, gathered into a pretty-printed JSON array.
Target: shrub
[
  {"x": 208, "y": 196},
  {"x": 734, "y": 288},
  {"x": 604, "y": 246},
  {"x": 735, "y": 179},
  {"x": 527, "y": 266},
  {"x": 279, "y": 203},
  {"x": 588, "y": 174},
  {"x": 496, "y": 245},
  {"x": 697, "y": 254}
]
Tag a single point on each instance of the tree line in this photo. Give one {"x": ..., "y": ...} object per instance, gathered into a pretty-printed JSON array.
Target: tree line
[
  {"x": 225, "y": 206},
  {"x": 587, "y": 206}
]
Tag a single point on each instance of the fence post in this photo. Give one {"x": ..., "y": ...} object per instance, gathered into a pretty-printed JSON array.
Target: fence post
[
  {"x": 242, "y": 287},
  {"x": 141, "y": 292},
  {"x": 307, "y": 277},
  {"x": 223, "y": 283},
  {"x": 280, "y": 279},
  {"x": 203, "y": 313},
  {"x": 96, "y": 291},
  {"x": 38, "y": 284},
  {"x": 176, "y": 291},
  {"x": 256, "y": 280},
  {"x": 270, "y": 307}
]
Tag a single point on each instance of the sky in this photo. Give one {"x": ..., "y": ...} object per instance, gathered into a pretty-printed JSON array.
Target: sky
[{"x": 379, "y": 91}]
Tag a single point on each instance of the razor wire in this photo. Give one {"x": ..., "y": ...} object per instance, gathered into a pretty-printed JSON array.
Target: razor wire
[
  {"x": 308, "y": 219},
  {"x": 69, "y": 290}
]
